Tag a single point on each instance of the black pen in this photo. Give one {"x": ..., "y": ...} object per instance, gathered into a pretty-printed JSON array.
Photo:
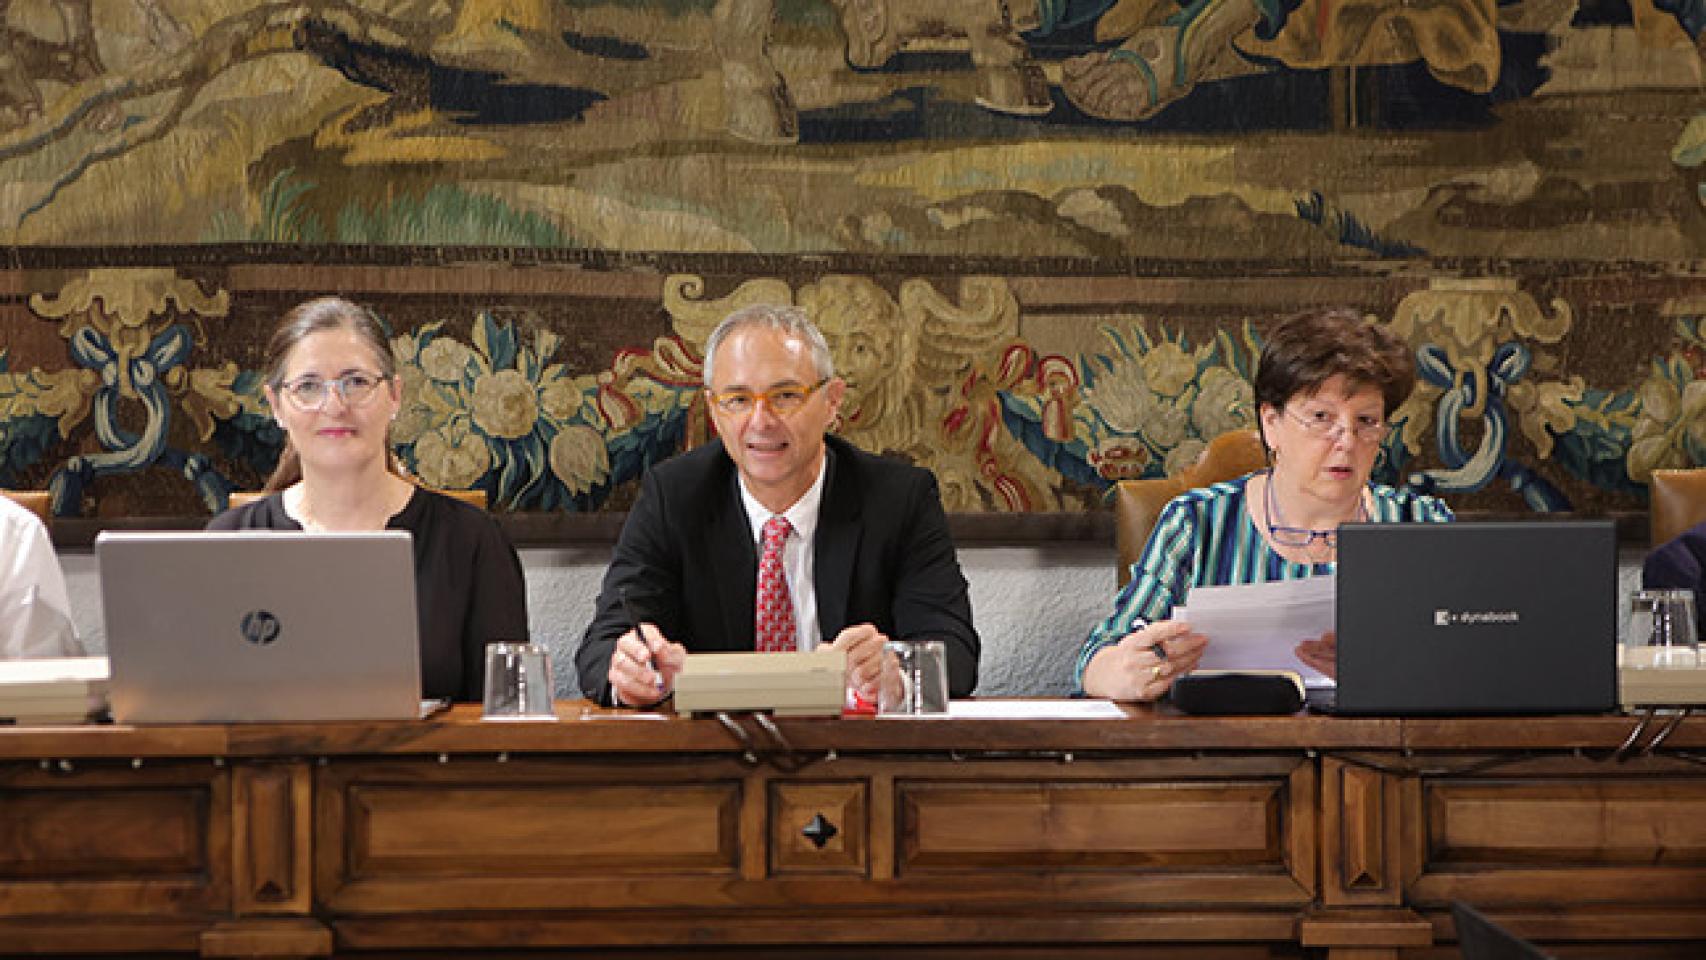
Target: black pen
[{"x": 634, "y": 621}]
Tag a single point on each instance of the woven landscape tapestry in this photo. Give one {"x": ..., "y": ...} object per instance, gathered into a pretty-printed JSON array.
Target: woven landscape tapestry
[{"x": 1044, "y": 237}]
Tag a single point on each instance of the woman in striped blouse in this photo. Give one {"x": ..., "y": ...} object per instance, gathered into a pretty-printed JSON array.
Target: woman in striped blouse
[{"x": 1325, "y": 384}]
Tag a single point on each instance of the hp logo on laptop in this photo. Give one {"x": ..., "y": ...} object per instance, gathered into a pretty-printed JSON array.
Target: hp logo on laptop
[{"x": 260, "y": 627}]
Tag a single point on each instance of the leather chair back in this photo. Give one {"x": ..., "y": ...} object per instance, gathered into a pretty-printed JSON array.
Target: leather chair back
[
  {"x": 39, "y": 502},
  {"x": 1678, "y": 501},
  {"x": 472, "y": 497},
  {"x": 1138, "y": 503}
]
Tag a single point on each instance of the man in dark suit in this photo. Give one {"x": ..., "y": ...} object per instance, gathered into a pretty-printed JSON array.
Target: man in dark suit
[{"x": 776, "y": 536}]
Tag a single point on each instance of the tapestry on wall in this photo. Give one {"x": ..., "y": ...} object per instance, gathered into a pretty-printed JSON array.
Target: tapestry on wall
[{"x": 1044, "y": 240}]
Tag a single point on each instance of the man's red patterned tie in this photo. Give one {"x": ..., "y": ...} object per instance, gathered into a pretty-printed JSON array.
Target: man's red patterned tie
[{"x": 775, "y": 609}]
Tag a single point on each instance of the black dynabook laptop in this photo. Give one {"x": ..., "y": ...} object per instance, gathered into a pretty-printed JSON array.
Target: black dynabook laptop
[{"x": 1477, "y": 618}]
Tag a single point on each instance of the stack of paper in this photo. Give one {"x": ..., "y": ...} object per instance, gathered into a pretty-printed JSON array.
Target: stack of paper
[
  {"x": 52, "y": 691},
  {"x": 1257, "y": 626},
  {"x": 1646, "y": 678},
  {"x": 787, "y": 684}
]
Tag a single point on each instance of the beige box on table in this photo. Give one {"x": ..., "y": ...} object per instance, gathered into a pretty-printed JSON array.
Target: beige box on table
[{"x": 811, "y": 683}]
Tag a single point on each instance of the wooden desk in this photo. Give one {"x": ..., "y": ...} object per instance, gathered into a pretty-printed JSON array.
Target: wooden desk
[{"x": 1156, "y": 836}]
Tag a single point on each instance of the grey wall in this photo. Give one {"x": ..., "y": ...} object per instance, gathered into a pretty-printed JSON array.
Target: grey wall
[{"x": 1033, "y": 605}]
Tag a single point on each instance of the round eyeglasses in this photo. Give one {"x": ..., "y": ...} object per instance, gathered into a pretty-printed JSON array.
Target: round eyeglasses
[
  {"x": 782, "y": 401},
  {"x": 310, "y": 393}
]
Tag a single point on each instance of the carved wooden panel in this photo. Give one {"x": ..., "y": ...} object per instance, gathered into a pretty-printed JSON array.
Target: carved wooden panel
[
  {"x": 1360, "y": 830},
  {"x": 1615, "y": 841},
  {"x": 542, "y": 829},
  {"x": 266, "y": 938},
  {"x": 1641, "y": 822},
  {"x": 1089, "y": 826},
  {"x": 819, "y": 827},
  {"x": 521, "y": 835},
  {"x": 151, "y": 841},
  {"x": 273, "y": 828}
]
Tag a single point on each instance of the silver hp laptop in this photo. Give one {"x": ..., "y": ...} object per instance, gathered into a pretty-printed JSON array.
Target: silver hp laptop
[
  {"x": 260, "y": 626},
  {"x": 1477, "y": 618}
]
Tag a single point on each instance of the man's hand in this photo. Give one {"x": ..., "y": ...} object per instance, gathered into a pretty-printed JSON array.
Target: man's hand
[
  {"x": 869, "y": 667},
  {"x": 644, "y": 665},
  {"x": 1144, "y": 664}
]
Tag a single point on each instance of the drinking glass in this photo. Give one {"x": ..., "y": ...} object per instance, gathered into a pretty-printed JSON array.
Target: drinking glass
[
  {"x": 923, "y": 678},
  {"x": 518, "y": 682},
  {"x": 1662, "y": 630}
]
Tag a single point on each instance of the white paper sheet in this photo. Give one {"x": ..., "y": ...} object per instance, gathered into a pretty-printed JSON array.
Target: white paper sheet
[
  {"x": 1037, "y": 709},
  {"x": 1257, "y": 626}
]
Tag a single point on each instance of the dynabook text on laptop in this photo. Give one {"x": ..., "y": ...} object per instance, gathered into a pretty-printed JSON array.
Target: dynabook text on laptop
[
  {"x": 1477, "y": 618},
  {"x": 260, "y": 626}
]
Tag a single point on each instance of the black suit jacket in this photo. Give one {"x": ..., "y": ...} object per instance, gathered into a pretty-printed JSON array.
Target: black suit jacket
[{"x": 688, "y": 563}]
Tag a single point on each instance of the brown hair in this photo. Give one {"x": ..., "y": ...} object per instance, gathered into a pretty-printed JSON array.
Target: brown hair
[
  {"x": 1306, "y": 350},
  {"x": 301, "y": 322}
]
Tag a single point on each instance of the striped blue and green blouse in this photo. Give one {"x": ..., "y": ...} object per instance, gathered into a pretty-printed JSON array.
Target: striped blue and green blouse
[{"x": 1205, "y": 537}]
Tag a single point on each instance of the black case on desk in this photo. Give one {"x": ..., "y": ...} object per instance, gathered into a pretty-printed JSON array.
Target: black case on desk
[{"x": 1237, "y": 694}]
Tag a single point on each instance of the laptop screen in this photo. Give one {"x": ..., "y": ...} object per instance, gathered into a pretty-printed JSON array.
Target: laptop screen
[
  {"x": 1477, "y": 618},
  {"x": 260, "y": 626}
]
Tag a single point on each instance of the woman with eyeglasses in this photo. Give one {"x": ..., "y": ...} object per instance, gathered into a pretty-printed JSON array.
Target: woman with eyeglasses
[
  {"x": 331, "y": 382},
  {"x": 1325, "y": 384}
]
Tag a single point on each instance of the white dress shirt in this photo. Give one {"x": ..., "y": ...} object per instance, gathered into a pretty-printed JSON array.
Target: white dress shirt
[
  {"x": 797, "y": 553},
  {"x": 35, "y": 616}
]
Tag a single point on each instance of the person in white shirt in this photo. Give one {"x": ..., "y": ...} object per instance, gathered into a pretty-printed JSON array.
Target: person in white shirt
[{"x": 35, "y": 614}]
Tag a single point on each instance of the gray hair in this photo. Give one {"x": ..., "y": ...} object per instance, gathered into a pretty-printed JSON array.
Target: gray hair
[{"x": 788, "y": 320}]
